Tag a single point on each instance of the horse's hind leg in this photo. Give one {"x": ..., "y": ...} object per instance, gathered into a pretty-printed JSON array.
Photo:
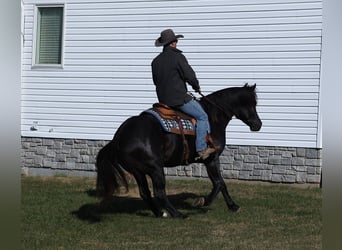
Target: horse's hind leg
[
  {"x": 145, "y": 193},
  {"x": 158, "y": 181}
]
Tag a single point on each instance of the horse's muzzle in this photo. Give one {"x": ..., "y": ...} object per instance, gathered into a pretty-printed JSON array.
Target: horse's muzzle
[{"x": 255, "y": 125}]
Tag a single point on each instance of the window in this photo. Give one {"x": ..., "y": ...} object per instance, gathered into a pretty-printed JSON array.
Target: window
[{"x": 49, "y": 35}]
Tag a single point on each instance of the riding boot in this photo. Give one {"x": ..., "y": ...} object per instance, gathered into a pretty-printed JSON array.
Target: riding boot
[{"x": 204, "y": 154}]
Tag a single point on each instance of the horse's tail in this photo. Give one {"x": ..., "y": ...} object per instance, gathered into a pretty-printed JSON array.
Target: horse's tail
[{"x": 109, "y": 173}]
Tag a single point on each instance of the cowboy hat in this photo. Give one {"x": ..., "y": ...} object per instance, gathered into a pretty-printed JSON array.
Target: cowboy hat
[{"x": 166, "y": 36}]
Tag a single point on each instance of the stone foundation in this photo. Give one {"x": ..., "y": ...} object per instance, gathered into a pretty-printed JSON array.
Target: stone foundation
[{"x": 46, "y": 156}]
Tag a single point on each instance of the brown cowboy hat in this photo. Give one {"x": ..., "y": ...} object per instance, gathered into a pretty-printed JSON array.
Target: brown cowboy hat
[{"x": 166, "y": 36}]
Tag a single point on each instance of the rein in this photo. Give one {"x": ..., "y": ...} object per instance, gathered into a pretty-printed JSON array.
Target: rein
[{"x": 213, "y": 103}]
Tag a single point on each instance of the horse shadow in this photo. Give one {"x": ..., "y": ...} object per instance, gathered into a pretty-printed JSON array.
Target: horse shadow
[{"x": 93, "y": 212}]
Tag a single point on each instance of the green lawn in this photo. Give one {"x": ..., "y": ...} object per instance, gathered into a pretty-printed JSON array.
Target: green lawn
[{"x": 62, "y": 213}]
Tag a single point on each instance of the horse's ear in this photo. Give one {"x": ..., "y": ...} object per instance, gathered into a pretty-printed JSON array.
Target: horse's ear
[{"x": 252, "y": 87}]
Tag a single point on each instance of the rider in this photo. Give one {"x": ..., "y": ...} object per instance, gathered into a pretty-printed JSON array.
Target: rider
[{"x": 171, "y": 71}]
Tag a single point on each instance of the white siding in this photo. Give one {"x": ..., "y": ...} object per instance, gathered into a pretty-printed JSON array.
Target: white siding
[{"x": 109, "y": 45}]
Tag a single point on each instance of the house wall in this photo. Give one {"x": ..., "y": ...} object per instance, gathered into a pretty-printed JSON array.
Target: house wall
[
  {"x": 46, "y": 156},
  {"x": 108, "y": 47}
]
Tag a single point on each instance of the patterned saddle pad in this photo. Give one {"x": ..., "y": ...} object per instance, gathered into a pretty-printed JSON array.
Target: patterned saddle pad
[{"x": 173, "y": 121}]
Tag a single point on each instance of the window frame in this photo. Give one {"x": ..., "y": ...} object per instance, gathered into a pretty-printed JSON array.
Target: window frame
[{"x": 35, "y": 64}]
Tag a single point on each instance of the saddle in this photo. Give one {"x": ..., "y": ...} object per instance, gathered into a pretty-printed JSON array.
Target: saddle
[
  {"x": 177, "y": 122},
  {"x": 185, "y": 124}
]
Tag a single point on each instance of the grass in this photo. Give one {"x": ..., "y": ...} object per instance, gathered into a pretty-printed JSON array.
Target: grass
[{"x": 62, "y": 213}]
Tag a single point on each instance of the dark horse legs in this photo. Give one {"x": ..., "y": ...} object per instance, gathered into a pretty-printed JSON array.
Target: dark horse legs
[
  {"x": 145, "y": 193},
  {"x": 161, "y": 201},
  {"x": 158, "y": 181},
  {"x": 213, "y": 169}
]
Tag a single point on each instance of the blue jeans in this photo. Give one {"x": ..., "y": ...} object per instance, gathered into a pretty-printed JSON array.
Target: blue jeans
[{"x": 195, "y": 109}]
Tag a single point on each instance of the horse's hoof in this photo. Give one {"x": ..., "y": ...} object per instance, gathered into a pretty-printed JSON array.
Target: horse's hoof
[
  {"x": 160, "y": 214},
  {"x": 199, "y": 202},
  {"x": 235, "y": 208}
]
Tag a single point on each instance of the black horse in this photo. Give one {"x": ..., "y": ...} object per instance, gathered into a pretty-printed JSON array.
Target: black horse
[{"x": 142, "y": 148}]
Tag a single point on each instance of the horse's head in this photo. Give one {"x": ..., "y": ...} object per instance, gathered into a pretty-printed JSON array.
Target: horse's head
[{"x": 245, "y": 107}]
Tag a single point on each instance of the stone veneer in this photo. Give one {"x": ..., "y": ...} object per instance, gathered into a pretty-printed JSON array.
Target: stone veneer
[{"x": 46, "y": 156}]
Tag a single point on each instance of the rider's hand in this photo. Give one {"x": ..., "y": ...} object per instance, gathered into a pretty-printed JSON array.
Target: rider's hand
[{"x": 198, "y": 90}]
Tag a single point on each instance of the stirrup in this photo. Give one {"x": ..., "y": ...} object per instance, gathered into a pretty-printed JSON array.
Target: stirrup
[{"x": 211, "y": 143}]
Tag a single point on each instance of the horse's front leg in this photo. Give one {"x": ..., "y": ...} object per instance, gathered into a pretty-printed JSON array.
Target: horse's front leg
[{"x": 213, "y": 169}]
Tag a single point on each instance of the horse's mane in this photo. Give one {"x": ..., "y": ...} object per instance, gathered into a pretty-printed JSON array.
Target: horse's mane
[
  {"x": 246, "y": 92},
  {"x": 228, "y": 98}
]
